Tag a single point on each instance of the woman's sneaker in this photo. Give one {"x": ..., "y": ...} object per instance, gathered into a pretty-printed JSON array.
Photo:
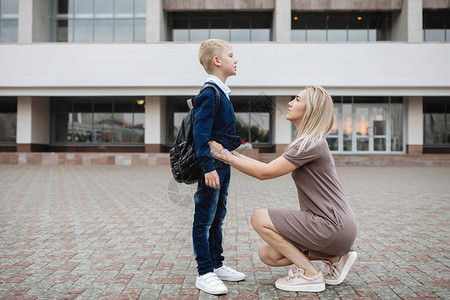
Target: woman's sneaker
[
  {"x": 229, "y": 274},
  {"x": 211, "y": 284},
  {"x": 335, "y": 273},
  {"x": 296, "y": 281}
]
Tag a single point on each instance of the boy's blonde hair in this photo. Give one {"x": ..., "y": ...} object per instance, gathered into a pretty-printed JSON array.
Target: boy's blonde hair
[
  {"x": 209, "y": 49},
  {"x": 317, "y": 121}
]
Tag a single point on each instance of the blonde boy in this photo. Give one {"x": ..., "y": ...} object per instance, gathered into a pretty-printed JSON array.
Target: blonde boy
[{"x": 216, "y": 57}]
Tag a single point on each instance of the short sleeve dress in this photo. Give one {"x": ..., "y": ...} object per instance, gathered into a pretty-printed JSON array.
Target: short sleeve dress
[{"x": 325, "y": 225}]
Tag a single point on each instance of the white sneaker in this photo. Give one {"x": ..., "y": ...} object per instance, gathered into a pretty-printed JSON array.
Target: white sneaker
[
  {"x": 211, "y": 284},
  {"x": 229, "y": 274}
]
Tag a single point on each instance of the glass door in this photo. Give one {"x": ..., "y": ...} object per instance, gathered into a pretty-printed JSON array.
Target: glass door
[
  {"x": 379, "y": 128},
  {"x": 370, "y": 128},
  {"x": 361, "y": 128},
  {"x": 334, "y": 136}
]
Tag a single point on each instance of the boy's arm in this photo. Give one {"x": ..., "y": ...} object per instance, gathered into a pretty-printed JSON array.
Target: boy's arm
[{"x": 203, "y": 123}]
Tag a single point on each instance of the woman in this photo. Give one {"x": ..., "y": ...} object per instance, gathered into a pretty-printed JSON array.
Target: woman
[{"x": 325, "y": 227}]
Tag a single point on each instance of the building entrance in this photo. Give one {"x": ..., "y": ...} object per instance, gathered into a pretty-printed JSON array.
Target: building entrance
[{"x": 364, "y": 128}]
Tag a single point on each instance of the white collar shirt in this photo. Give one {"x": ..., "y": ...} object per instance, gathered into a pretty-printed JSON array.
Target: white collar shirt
[{"x": 222, "y": 85}]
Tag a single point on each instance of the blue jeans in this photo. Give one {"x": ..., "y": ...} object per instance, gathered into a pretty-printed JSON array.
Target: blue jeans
[{"x": 210, "y": 211}]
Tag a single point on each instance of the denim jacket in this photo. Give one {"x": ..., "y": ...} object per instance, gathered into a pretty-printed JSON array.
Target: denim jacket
[{"x": 220, "y": 128}]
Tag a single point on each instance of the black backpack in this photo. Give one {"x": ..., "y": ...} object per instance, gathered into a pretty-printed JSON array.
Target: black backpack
[{"x": 183, "y": 160}]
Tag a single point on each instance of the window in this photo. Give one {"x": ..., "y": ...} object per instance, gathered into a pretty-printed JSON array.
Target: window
[
  {"x": 229, "y": 26},
  {"x": 9, "y": 16},
  {"x": 99, "y": 21},
  {"x": 253, "y": 118},
  {"x": 100, "y": 120},
  {"x": 436, "y": 26},
  {"x": 340, "y": 27},
  {"x": 8, "y": 120},
  {"x": 367, "y": 125},
  {"x": 436, "y": 121}
]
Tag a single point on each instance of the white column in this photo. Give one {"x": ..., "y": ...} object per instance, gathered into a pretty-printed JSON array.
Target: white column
[
  {"x": 155, "y": 123},
  {"x": 407, "y": 25},
  {"x": 24, "y": 118},
  {"x": 282, "y": 21},
  {"x": 34, "y": 21},
  {"x": 33, "y": 121},
  {"x": 282, "y": 128},
  {"x": 155, "y": 22},
  {"x": 25, "y": 30},
  {"x": 414, "y": 130}
]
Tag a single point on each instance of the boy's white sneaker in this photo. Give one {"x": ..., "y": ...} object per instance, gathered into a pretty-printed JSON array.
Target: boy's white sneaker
[
  {"x": 211, "y": 284},
  {"x": 229, "y": 274}
]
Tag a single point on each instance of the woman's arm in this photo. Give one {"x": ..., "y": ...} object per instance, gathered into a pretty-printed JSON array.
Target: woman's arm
[{"x": 277, "y": 167}]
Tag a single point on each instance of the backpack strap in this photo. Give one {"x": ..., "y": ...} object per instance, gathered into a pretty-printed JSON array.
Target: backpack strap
[
  {"x": 216, "y": 93},
  {"x": 189, "y": 103}
]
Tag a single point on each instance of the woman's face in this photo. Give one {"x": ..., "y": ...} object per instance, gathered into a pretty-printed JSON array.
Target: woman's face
[{"x": 297, "y": 108}]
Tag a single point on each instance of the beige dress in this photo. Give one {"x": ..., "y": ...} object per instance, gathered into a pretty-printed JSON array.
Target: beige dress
[{"x": 325, "y": 224}]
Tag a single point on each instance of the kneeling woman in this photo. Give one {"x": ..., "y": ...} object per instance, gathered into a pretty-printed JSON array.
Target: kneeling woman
[{"x": 325, "y": 227}]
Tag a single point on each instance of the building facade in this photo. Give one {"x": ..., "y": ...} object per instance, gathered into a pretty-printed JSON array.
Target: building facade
[{"x": 113, "y": 75}]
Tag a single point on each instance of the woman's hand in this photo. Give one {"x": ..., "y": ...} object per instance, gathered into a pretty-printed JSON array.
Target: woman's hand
[{"x": 217, "y": 151}]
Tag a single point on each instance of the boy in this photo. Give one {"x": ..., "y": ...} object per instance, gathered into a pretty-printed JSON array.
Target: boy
[{"x": 216, "y": 57}]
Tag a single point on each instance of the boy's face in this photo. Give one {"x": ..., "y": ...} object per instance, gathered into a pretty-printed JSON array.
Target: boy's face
[{"x": 228, "y": 62}]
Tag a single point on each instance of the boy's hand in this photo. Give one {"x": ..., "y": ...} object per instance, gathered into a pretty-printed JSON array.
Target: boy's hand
[{"x": 212, "y": 179}]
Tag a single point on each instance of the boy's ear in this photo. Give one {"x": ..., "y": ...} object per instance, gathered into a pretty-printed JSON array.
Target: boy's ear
[{"x": 216, "y": 61}]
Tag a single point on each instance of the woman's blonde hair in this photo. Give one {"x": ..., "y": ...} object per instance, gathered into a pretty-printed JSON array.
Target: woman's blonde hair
[
  {"x": 317, "y": 121},
  {"x": 209, "y": 49}
]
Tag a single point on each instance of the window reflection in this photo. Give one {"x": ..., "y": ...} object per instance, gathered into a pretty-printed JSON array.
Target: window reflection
[
  {"x": 240, "y": 35},
  {"x": 103, "y": 31},
  {"x": 83, "y": 30},
  {"x": 436, "y": 120},
  {"x": 124, "y": 8},
  {"x": 339, "y": 27},
  {"x": 253, "y": 118},
  {"x": 97, "y": 120},
  {"x": 223, "y": 34},
  {"x": 347, "y": 127},
  {"x": 230, "y": 26},
  {"x": 8, "y": 120},
  {"x": 104, "y": 8},
  {"x": 123, "y": 30},
  {"x": 435, "y": 25},
  {"x": 139, "y": 127},
  {"x": 198, "y": 34},
  {"x": 396, "y": 114},
  {"x": 83, "y": 8},
  {"x": 367, "y": 123},
  {"x": 99, "y": 21},
  {"x": 9, "y": 15},
  {"x": 9, "y": 8},
  {"x": 435, "y": 129}
]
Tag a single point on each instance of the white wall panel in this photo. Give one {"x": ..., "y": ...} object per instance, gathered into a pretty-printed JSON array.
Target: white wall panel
[{"x": 273, "y": 68}]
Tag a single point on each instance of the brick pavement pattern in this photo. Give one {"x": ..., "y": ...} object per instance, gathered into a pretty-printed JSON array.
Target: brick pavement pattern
[{"x": 124, "y": 232}]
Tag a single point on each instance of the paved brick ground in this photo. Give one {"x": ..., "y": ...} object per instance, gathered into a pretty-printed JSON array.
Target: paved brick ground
[{"x": 123, "y": 232}]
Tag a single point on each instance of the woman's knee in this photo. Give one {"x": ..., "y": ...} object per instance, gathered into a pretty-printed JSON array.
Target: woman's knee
[
  {"x": 259, "y": 218},
  {"x": 271, "y": 257},
  {"x": 264, "y": 256}
]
